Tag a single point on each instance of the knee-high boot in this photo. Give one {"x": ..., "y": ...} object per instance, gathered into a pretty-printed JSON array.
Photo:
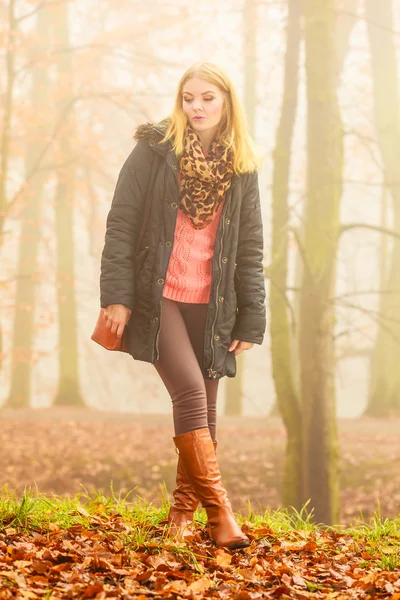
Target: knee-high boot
[
  {"x": 197, "y": 453},
  {"x": 186, "y": 500}
]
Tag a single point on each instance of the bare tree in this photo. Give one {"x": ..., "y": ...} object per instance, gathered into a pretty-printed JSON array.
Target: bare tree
[
  {"x": 287, "y": 399},
  {"x": 7, "y": 116},
  {"x": 36, "y": 131},
  {"x": 384, "y": 391},
  {"x": 68, "y": 386},
  {"x": 7, "y": 110},
  {"x": 319, "y": 252},
  {"x": 287, "y": 333}
]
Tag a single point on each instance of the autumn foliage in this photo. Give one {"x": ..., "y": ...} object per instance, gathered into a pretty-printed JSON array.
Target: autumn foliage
[{"x": 108, "y": 549}]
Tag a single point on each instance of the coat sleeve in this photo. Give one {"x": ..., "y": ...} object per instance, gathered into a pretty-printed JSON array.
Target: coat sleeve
[
  {"x": 124, "y": 221},
  {"x": 250, "y": 284}
]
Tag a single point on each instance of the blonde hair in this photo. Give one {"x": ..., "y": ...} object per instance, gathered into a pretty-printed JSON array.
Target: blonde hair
[{"x": 232, "y": 128}]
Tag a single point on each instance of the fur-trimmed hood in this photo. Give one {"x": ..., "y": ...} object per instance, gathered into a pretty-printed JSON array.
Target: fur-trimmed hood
[
  {"x": 151, "y": 130},
  {"x": 154, "y": 132}
]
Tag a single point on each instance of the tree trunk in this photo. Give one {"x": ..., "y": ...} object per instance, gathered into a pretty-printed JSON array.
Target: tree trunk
[
  {"x": 7, "y": 113},
  {"x": 321, "y": 232},
  {"x": 345, "y": 23},
  {"x": 234, "y": 385},
  {"x": 23, "y": 333},
  {"x": 68, "y": 390},
  {"x": 384, "y": 389},
  {"x": 287, "y": 400},
  {"x": 7, "y": 109}
]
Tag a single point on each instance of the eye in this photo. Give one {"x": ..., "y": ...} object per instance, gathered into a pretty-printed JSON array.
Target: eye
[
  {"x": 208, "y": 99},
  {"x": 187, "y": 99}
]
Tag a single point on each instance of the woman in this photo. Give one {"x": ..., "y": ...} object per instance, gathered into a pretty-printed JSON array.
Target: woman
[{"x": 194, "y": 293}]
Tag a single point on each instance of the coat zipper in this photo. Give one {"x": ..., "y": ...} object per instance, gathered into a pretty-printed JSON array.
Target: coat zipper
[
  {"x": 158, "y": 334},
  {"x": 157, "y": 341},
  {"x": 211, "y": 372}
]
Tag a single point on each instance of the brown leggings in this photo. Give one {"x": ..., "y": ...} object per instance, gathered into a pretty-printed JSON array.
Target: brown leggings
[{"x": 181, "y": 347}]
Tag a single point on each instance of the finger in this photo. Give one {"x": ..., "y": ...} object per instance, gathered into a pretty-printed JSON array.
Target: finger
[
  {"x": 238, "y": 348},
  {"x": 120, "y": 330},
  {"x": 114, "y": 327},
  {"x": 233, "y": 345},
  {"x": 108, "y": 322}
]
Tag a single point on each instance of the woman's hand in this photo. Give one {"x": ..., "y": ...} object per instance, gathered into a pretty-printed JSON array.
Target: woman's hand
[
  {"x": 118, "y": 316},
  {"x": 238, "y": 346}
]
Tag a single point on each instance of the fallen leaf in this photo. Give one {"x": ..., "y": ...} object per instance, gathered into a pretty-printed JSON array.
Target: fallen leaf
[
  {"x": 27, "y": 595},
  {"x": 93, "y": 590},
  {"x": 247, "y": 574},
  {"x": 310, "y": 546},
  {"x": 81, "y": 510},
  {"x": 223, "y": 559},
  {"x": 176, "y": 587},
  {"x": 200, "y": 585},
  {"x": 298, "y": 580}
]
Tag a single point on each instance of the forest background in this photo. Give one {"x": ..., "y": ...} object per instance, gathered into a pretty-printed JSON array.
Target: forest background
[{"x": 319, "y": 81}]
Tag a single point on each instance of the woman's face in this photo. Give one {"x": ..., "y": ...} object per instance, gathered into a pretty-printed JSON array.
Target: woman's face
[{"x": 203, "y": 104}]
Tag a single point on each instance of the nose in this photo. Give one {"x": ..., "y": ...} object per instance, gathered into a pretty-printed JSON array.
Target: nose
[{"x": 197, "y": 104}]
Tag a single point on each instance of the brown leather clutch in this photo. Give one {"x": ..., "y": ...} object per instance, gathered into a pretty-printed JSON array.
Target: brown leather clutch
[{"x": 103, "y": 335}]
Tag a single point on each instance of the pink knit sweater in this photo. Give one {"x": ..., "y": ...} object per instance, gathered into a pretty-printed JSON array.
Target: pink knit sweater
[{"x": 190, "y": 267}]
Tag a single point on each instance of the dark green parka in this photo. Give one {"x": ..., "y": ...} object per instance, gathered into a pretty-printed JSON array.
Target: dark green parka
[{"x": 237, "y": 301}]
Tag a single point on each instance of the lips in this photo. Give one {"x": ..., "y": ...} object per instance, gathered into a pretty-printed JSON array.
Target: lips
[{"x": 198, "y": 118}]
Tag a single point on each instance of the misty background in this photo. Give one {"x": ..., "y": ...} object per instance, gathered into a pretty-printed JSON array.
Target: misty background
[
  {"x": 83, "y": 76},
  {"x": 319, "y": 81}
]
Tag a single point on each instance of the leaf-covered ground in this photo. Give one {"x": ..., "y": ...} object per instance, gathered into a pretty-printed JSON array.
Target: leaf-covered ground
[
  {"x": 104, "y": 548},
  {"x": 64, "y": 452}
]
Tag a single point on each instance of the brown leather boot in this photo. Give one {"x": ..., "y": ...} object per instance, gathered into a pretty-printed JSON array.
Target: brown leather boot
[
  {"x": 199, "y": 460},
  {"x": 186, "y": 500}
]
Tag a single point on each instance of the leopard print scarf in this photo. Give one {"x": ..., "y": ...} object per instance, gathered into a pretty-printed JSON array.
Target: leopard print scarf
[{"x": 203, "y": 181}]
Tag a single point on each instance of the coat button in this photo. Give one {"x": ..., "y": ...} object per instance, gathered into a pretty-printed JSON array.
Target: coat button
[
  {"x": 225, "y": 260},
  {"x": 174, "y": 167},
  {"x": 216, "y": 337},
  {"x": 221, "y": 298},
  {"x": 174, "y": 205},
  {"x": 151, "y": 142},
  {"x": 155, "y": 320},
  {"x": 168, "y": 244},
  {"x": 160, "y": 281},
  {"x": 227, "y": 221}
]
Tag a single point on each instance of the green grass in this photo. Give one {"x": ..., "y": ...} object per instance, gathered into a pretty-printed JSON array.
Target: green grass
[
  {"x": 390, "y": 562},
  {"x": 283, "y": 521},
  {"x": 377, "y": 528},
  {"x": 146, "y": 523}
]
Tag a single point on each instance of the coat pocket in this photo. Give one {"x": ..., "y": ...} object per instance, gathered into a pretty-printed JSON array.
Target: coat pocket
[
  {"x": 140, "y": 259},
  {"x": 237, "y": 279}
]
